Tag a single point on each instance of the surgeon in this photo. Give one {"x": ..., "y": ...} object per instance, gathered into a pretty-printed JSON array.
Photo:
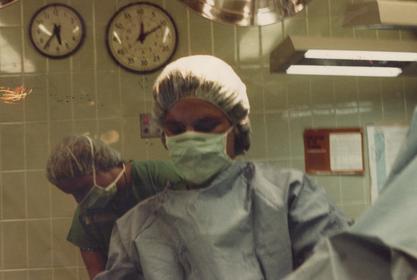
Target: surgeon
[
  {"x": 233, "y": 219},
  {"x": 105, "y": 187},
  {"x": 382, "y": 244}
]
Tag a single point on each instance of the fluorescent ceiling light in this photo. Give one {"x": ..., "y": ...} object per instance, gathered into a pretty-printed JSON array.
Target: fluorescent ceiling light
[
  {"x": 361, "y": 55},
  {"x": 344, "y": 71},
  {"x": 344, "y": 56},
  {"x": 381, "y": 14}
]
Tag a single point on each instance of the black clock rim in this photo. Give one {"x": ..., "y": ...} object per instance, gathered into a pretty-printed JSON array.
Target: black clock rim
[
  {"x": 153, "y": 70},
  {"x": 83, "y": 30}
]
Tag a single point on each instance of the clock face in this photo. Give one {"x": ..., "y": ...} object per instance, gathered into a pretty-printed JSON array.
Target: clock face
[
  {"x": 141, "y": 37},
  {"x": 56, "y": 30}
]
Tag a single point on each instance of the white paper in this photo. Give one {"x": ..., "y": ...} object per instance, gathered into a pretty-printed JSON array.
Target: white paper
[
  {"x": 346, "y": 152},
  {"x": 384, "y": 143}
]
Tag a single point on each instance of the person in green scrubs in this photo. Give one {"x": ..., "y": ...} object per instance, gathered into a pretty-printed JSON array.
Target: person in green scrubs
[{"x": 104, "y": 187}]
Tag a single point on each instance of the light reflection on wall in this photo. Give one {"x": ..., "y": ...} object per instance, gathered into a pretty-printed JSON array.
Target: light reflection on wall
[
  {"x": 110, "y": 137},
  {"x": 349, "y": 108},
  {"x": 10, "y": 58}
]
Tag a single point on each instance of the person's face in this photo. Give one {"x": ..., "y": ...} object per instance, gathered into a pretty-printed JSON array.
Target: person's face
[
  {"x": 79, "y": 186},
  {"x": 194, "y": 114}
]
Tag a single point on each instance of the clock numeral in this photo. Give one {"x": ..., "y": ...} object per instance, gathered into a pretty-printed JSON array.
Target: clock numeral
[
  {"x": 119, "y": 25},
  {"x": 130, "y": 60},
  {"x": 120, "y": 52},
  {"x": 156, "y": 58},
  {"x": 165, "y": 48},
  {"x": 127, "y": 16},
  {"x": 139, "y": 11},
  {"x": 67, "y": 45},
  {"x": 46, "y": 15},
  {"x": 74, "y": 38},
  {"x": 41, "y": 40},
  {"x": 153, "y": 14},
  {"x": 144, "y": 62},
  {"x": 55, "y": 12},
  {"x": 57, "y": 49}
]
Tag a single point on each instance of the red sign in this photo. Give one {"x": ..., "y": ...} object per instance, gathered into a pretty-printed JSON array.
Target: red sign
[{"x": 334, "y": 151}]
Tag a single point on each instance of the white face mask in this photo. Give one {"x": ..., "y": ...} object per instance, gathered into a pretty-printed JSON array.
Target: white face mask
[
  {"x": 99, "y": 196},
  {"x": 198, "y": 156}
]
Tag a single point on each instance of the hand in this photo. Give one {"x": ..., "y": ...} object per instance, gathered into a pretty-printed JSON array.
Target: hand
[
  {"x": 143, "y": 35},
  {"x": 58, "y": 34},
  {"x": 55, "y": 32}
]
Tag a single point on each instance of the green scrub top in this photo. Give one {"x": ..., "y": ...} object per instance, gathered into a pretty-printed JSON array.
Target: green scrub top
[{"x": 91, "y": 228}]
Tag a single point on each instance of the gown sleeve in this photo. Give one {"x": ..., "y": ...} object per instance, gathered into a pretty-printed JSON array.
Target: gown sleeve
[
  {"x": 121, "y": 264},
  {"x": 311, "y": 216}
]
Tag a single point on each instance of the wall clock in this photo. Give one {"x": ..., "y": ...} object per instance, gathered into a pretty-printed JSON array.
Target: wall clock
[
  {"x": 57, "y": 30},
  {"x": 141, "y": 37}
]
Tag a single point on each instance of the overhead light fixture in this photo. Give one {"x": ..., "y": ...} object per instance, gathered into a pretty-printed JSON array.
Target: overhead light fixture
[
  {"x": 344, "y": 57},
  {"x": 246, "y": 12},
  {"x": 386, "y": 14},
  {"x": 5, "y": 3}
]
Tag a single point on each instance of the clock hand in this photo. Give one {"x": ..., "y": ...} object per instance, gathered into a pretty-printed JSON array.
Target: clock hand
[
  {"x": 58, "y": 34},
  {"x": 54, "y": 33},
  {"x": 153, "y": 29},
  {"x": 142, "y": 35},
  {"x": 145, "y": 34}
]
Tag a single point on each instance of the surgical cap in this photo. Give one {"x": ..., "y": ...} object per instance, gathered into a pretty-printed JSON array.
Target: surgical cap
[
  {"x": 72, "y": 158},
  {"x": 210, "y": 79}
]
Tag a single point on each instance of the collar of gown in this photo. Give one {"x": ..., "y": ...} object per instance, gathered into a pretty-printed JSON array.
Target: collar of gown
[{"x": 218, "y": 183}]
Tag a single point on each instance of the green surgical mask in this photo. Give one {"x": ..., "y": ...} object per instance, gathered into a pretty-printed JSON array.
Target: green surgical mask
[
  {"x": 100, "y": 196},
  {"x": 198, "y": 156}
]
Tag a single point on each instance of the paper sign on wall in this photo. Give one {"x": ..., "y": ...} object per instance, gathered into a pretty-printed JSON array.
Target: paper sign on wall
[
  {"x": 384, "y": 143},
  {"x": 334, "y": 151}
]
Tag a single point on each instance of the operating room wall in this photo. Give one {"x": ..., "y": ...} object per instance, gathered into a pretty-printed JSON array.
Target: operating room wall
[{"x": 88, "y": 93}]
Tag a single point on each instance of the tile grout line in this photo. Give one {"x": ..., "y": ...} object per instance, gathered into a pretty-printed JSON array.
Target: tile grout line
[
  {"x": 266, "y": 150},
  {"x": 188, "y": 30},
  {"x": 361, "y": 124},
  {"x": 212, "y": 37},
  {"x": 48, "y": 105},
  {"x": 24, "y": 143},
  {"x": 121, "y": 113},
  {"x": 403, "y": 89},
  {"x": 329, "y": 5},
  {"x": 35, "y": 219},
  {"x": 95, "y": 67}
]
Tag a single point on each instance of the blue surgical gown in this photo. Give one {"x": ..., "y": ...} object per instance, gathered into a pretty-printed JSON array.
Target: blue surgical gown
[{"x": 252, "y": 222}]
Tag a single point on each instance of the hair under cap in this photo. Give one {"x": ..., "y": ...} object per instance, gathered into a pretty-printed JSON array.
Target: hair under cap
[
  {"x": 208, "y": 78},
  {"x": 75, "y": 155}
]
